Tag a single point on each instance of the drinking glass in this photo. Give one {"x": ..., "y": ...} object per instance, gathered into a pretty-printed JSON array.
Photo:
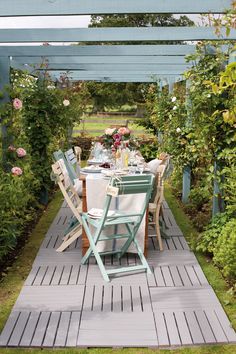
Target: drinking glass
[{"x": 140, "y": 168}]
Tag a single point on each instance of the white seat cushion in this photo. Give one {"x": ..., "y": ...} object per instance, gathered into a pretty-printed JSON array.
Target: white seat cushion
[{"x": 153, "y": 165}]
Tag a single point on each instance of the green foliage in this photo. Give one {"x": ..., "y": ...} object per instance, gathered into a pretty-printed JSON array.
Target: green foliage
[
  {"x": 219, "y": 239},
  {"x": 149, "y": 149},
  {"x": 40, "y": 126},
  {"x": 48, "y": 114},
  {"x": 225, "y": 250},
  {"x": 17, "y": 207}
]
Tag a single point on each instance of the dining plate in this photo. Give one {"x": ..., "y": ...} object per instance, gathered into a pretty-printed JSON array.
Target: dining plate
[
  {"x": 94, "y": 162},
  {"x": 110, "y": 173},
  {"x": 96, "y": 213},
  {"x": 91, "y": 169}
]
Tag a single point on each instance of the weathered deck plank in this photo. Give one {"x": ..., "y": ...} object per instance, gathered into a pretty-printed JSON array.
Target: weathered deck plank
[{"x": 66, "y": 304}]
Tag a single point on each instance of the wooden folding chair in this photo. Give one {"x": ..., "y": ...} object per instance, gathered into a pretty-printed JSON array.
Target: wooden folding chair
[
  {"x": 120, "y": 186},
  {"x": 72, "y": 168},
  {"x": 155, "y": 207},
  {"x": 74, "y": 202}
]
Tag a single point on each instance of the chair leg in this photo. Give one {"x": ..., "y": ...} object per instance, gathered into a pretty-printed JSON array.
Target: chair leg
[
  {"x": 157, "y": 227},
  {"x": 142, "y": 258},
  {"x": 68, "y": 239},
  {"x": 93, "y": 249},
  {"x": 159, "y": 239}
]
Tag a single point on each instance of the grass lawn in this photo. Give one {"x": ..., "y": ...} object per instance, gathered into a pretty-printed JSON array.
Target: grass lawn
[
  {"x": 11, "y": 284},
  {"x": 98, "y": 122}
]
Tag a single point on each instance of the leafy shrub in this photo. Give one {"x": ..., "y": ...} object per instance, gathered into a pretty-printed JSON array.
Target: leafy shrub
[
  {"x": 17, "y": 202},
  {"x": 225, "y": 249},
  {"x": 209, "y": 238},
  {"x": 148, "y": 149}
]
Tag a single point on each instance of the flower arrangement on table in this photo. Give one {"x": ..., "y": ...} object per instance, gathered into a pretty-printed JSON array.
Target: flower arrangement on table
[{"x": 115, "y": 138}]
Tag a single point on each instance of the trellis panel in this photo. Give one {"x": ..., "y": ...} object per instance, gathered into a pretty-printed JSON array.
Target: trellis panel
[
  {"x": 89, "y": 7},
  {"x": 98, "y": 50},
  {"x": 113, "y": 34}
]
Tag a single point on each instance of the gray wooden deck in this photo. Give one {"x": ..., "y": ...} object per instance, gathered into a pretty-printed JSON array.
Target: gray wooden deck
[{"x": 64, "y": 304}]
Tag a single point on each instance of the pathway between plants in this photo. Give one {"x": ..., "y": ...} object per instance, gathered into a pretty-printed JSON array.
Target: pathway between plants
[{"x": 64, "y": 304}]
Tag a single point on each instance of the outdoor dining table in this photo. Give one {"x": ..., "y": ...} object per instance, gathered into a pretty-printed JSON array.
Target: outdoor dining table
[{"x": 93, "y": 196}]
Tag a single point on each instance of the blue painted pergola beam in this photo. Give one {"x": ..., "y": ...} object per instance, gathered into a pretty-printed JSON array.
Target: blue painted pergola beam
[
  {"x": 89, "y": 7},
  {"x": 100, "y": 59},
  {"x": 121, "y": 78},
  {"x": 113, "y": 34},
  {"x": 158, "y": 68},
  {"x": 98, "y": 50}
]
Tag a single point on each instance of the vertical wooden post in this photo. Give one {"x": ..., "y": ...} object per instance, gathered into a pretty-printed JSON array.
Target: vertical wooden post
[
  {"x": 4, "y": 80},
  {"x": 186, "y": 186}
]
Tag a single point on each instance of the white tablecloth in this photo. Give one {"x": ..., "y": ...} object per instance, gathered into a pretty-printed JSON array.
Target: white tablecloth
[{"x": 96, "y": 190}]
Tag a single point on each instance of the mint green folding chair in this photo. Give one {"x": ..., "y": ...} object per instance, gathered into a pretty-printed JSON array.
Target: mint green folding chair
[
  {"x": 59, "y": 155},
  {"x": 70, "y": 167},
  {"x": 120, "y": 186},
  {"x": 72, "y": 160}
]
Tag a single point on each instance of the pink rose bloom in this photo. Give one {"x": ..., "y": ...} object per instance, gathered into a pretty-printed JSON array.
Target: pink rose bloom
[
  {"x": 117, "y": 137},
  {"x": 16, "y": 171},
  {"x": 109, "y": 131},
  {"x": 11, "y": 148},
  {"x": 66, "y": 103},
  {"x": 117, "y": 143},
  {"x": 123, "y": 131},
  {"x": 21, "y": 152},
  {"x": 17, "y": 103}
]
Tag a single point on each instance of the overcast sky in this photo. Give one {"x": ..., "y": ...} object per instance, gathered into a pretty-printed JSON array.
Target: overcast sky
[
  {"x": 52, "y": 21},
  {"x": 44, "y": 22}
]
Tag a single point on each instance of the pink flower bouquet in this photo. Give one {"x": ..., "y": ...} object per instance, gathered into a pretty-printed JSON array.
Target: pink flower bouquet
[{"x": 113, "y": 138}]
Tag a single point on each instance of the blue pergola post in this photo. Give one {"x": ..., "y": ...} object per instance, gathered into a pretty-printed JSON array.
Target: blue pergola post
[
  {"x": 216, "y": 193},
  {"x": 159, "y": 133},
  {"x": 186, "y": 186},
  {"x": 4, "y": 80}
]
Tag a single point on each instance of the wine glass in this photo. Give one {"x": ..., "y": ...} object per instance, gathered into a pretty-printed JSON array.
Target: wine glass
[{"x": 140, "y": 168}]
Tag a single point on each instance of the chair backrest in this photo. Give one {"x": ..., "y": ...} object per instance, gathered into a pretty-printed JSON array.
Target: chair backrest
[
  {"x": 59, "y": 155},
  {"x": 67, "y": 188},
  {"x": 72, "y": 161},
  {"x": 160, "y": 173},
  {"x": 133, "y": 184},
  {"x": 130, "y": 185},
  {"x": 159, "y": 188}
]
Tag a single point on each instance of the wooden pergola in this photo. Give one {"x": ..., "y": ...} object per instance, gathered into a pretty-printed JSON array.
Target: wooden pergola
[{"x": 103, "y": 62}]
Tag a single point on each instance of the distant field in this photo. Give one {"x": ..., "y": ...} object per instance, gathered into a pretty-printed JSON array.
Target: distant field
[{"x": 95, "y": 125}]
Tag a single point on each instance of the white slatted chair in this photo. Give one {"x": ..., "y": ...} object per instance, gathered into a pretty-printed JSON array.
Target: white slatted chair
[
  {"x": 74, "y": 202},
  {"x": 155, "y": 207}
]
